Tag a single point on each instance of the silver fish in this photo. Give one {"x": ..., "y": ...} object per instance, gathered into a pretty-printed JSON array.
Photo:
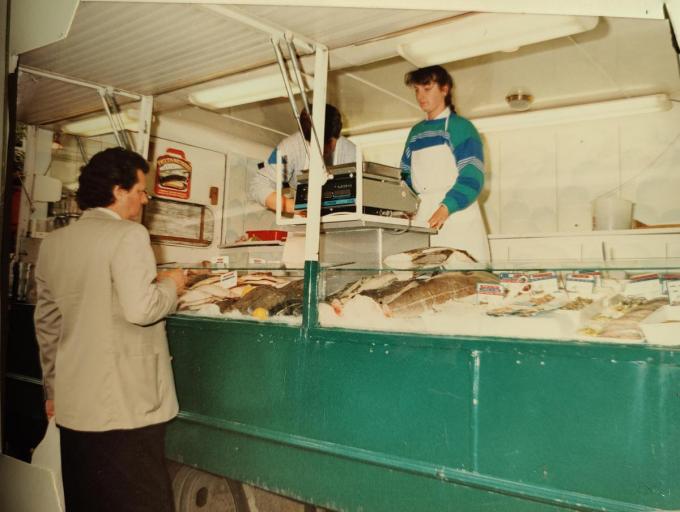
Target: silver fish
[
  {"x": 372, "y": 282},
  {"x": 428, "y": 257}
]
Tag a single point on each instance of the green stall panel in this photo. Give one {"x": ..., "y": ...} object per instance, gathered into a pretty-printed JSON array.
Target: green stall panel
[{"x": 385, "y": 421}]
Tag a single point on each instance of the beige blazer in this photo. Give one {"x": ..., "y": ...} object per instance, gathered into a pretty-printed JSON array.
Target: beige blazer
[{"x": 99, "y": 323}]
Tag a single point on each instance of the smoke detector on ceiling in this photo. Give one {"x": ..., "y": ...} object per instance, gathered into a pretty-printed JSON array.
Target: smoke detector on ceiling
[{"x": 519, "y": 101}]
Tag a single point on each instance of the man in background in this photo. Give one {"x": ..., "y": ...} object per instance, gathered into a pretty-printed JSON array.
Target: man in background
[
  {"x": 294, "y": 151},
  {"x": 103, "y": 349}
]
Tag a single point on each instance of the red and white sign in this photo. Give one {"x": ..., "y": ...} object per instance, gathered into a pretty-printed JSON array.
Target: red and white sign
[{"x": 173, "y": 174}]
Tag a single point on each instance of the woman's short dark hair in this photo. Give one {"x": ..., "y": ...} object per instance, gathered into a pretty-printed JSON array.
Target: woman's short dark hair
[
  {"x": 423, "y": 76},
  {"x": 332, "y": 126},
  {"x": 105, "y": 170}
]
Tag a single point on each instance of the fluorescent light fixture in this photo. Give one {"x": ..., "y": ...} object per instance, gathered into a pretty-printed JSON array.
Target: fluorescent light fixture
[
  {"x": 99, "y": 125},
  {"x": 574, "y": 113},
  {"x": 245, "y": 91},
  {"x": 537, "y": 118},
  {"x": 480, "y": 34}
]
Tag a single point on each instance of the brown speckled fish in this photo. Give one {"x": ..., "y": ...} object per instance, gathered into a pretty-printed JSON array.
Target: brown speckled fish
[
  {"x": 437, "y": 290},
  {"x": 270, "y": 298}
]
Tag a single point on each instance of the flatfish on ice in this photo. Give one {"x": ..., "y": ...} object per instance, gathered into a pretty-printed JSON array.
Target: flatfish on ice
[
  {"x": 428, "y": 257},
  {"x": 428, "y": 294},
  {"x": 270, "y": 298},
  {"x": 388, "y": 293}
]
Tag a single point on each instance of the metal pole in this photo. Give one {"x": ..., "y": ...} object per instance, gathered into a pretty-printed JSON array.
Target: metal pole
[
  {"x": 81, "y": 148},
  {"x": 291, "y": 98},
  {"x": 296, "y": 71},
  {"x": 144, "y": 127},
  {"x": 316, "y": 179},
  {"x": 286, "y": 83},
  {"x": 303, "y": 94},
  {"x": 316, "y": 163},
  {"x": 75, "y": 81},
  {"x": 102, "y": 94},
  {"x": 259, "y": 24}
]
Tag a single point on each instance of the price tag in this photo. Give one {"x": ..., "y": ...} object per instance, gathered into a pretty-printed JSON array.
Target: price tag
[
  {"x": 647, "y": 286},
  {"x": 544, "y": 282},
  {"x": 581, "y": 284},
  {"x": 229, "y": 279},
  {"x": 490, "y": 293},
  {"x": 220, "y": 261},
  {"x": 515, "y": 282},
  {"x": 673, "y": 288}
]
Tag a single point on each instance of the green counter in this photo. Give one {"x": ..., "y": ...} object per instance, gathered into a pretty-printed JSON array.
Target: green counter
[
  {"x": 370, "y": 421},
  {"x": 359, "y": 420}
]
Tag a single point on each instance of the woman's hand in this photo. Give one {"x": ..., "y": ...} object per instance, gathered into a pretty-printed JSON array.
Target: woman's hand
[{"x": 439, "y": 217}]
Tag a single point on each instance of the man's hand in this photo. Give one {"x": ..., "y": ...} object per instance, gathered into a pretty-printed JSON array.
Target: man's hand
[
  {"x": 49, "y": 409},
  {"x": 287, "y": 203},
  {"x": 439, "y": 217},
  {"x": 177, "y": 275}
]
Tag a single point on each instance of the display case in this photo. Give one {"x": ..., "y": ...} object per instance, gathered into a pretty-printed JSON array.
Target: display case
[
  {"x": 623, "y": 301},
  {"x": 436, "y": 291},
  {"x": 254, "y": 292},
  {"x": 522, "y": 387}
]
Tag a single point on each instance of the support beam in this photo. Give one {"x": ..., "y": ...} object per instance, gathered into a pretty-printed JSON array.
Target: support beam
[
  {"x": 651, "y": 9},
  {"x": 316, "y": 164},
  {"x": 275, "y": 32},
  {"x": 144, "y": 130},
  {"x": 78, "y": 81}
]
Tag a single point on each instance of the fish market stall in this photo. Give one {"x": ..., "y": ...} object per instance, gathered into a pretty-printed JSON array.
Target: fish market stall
[
  {"x": 410, "y": 393},
  {"x": 431, "y": 382},
  {"x": 336, "y": 358}
]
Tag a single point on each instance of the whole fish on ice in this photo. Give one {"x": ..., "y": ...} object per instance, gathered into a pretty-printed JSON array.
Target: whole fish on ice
[
  {"x": 373, "y": 284},
  {"x": 412, "y": 296},
  {"x": 423, "y": 297},
  {"x": 429, "y": 257},
  {"x": 270, "y": 298}
]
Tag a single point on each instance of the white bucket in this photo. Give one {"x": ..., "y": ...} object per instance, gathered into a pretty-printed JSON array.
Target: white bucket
[{"x": 612, "y": 213}]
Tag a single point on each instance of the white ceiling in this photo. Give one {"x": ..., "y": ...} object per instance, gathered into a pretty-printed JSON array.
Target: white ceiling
[{"x": 171, "y": 50}]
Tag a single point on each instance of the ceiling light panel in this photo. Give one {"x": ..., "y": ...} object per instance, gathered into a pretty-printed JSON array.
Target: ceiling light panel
[{"x": 481, "y": 34}]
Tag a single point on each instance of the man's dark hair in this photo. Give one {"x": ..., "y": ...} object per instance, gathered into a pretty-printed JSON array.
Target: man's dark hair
[
  {"x": 105, "y": 170},
  {"x": 333, "y": 123},
  {"x": 332, "y": 126},
  {"x": 424, "y": 76}
]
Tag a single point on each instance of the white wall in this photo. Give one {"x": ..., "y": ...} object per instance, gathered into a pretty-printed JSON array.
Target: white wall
[
  {"x": 543, "y": 180},
  {"x": 219, "y": 159},
  {"x": 238, "y": 157}
]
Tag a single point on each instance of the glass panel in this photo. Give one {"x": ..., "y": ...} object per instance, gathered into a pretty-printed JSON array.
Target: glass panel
[
  {"x": 266, "y": 295},
  {"x": 605, "y": 303},
  {"x": 241, "y": 212},
  {"x": 178, "y": 222}
]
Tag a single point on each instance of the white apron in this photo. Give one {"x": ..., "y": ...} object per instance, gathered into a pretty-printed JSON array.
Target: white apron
[{"x": 433, "y": 173}]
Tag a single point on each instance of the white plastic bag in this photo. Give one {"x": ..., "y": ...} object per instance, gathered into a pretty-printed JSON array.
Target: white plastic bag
[{"x": 47, "y": 455}]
